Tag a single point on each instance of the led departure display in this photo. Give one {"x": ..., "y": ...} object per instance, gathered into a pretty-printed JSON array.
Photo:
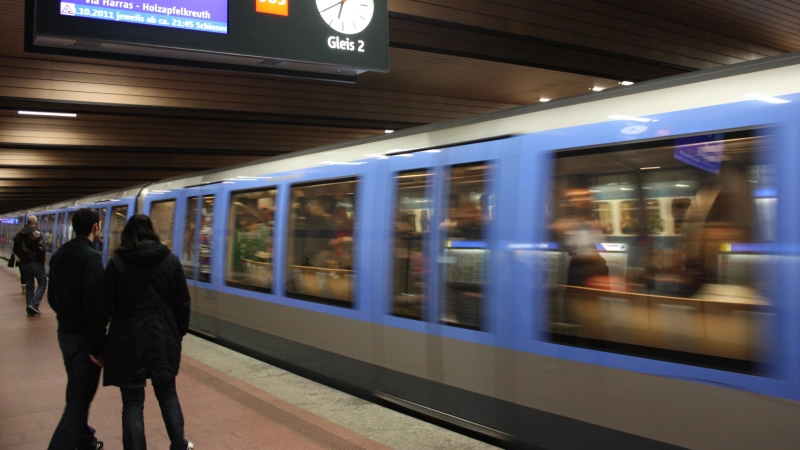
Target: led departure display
[
  {"x": 199, "y": 15},
  {"x": 336, "y": 37}
]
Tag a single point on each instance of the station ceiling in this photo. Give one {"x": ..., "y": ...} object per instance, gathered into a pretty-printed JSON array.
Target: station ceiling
[{"x": 141, "y": 121}]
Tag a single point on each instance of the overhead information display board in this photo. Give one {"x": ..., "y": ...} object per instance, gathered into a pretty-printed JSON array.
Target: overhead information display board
[
  {"x": 202, "y": 15},
  {"x": 326, "y": 36}
]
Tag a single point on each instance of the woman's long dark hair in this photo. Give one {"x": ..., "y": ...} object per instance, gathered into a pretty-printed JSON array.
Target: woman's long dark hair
[{"x": 137, "y": 231}]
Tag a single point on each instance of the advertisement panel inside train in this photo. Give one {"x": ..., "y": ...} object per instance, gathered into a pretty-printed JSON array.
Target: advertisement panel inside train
[{"x": 329, "y": 33}]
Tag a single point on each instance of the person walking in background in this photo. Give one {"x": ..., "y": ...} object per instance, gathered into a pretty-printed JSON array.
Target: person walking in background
[
  {"x": 14, "y": 262},
  {"x": 145, "y": 295},
  {"x": 76, "y": 271},
  {"x": 29, "y": 248}
]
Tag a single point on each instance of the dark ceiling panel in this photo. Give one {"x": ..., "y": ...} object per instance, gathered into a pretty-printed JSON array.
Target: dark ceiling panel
[{"x": 139, "y": 122}]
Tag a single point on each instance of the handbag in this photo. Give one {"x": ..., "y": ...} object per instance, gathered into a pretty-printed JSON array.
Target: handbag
[{"x": 12, "y": 261}]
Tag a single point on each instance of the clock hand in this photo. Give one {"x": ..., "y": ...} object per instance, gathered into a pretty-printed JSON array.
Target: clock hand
[
  {"x": 331, "y": 7},
  {"x": 340, "y": 9}
]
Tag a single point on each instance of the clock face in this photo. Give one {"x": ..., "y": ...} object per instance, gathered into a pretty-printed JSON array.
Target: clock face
[{"x": 346, "y": 16}]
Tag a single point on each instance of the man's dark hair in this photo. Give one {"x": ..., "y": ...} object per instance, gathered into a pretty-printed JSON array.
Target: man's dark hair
[
  {"x": 83, "y": 219},
  {"x": 137, "y": 232}
]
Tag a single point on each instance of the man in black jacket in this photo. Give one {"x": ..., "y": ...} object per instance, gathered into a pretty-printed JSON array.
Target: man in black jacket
[
  {"x": 29, "y": 248},
  {"x": 76, "y": 271}
]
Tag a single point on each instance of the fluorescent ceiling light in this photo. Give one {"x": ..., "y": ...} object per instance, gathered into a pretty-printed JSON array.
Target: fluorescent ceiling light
[
  {"x": 44, "y": 113},
  {"x": 765, "y": 98},
  {"x": 635, "y": 119},
  {"x": 388, "y": 131},
  {"x": 682, "y": 185},
  {"x": 544, "y": 99},
  {"x": 650, "y": 168},
  {"x": 625, "y": 189},
  {"x": 597, "y": 88},
  {"x": 626, "y": 83}
]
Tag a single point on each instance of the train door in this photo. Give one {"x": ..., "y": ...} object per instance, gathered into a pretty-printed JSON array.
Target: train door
[{"x": 444, "y": 206}]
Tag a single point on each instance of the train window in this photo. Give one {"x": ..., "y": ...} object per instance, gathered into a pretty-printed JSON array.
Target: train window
[
  {"x": 188, "y": 258},
  {"x": 320, "y": 246},
  {"x": 413, "y": 212},
  {"x": 162, "y": 214},
  {"x": 630, "y": 217},
  {"x": 601, "y": 213},
  {"x": 250, "y": 244},
  {"x": 119, "y": 217},
  {"x": 692, "y": 285},
  {"x": 204, "y": 253},
  {"x": 466, "y": 251}
]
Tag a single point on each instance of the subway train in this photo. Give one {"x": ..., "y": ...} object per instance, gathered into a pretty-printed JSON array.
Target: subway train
[{"x": 611, "y": 270}]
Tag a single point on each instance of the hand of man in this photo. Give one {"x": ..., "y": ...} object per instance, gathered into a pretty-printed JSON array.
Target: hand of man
[{"x": 97, "y": 360}]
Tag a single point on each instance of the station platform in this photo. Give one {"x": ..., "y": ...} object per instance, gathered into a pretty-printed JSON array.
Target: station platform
[{"x": 229, "y": 400}]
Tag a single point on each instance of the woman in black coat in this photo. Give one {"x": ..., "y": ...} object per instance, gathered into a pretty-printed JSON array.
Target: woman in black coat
[{"x": 144, "y": 293}]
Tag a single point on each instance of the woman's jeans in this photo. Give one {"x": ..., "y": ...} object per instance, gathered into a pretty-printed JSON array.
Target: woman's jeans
[{"x": 133, "y": 416}]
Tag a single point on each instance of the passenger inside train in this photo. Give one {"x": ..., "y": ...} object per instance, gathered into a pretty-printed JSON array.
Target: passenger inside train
[
  {"x": 320, "y": 245},
  {"x": 685, "y": 286}
]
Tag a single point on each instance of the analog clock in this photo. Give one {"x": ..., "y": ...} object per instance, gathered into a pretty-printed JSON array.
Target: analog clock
[{"x": 346, "y": 16}]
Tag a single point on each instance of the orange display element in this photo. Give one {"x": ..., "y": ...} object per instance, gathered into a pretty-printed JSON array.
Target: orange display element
[{"x": 276, "y": 7}]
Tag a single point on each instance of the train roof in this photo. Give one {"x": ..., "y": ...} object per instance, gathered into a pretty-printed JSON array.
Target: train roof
[{"x": 774, "y": 76}]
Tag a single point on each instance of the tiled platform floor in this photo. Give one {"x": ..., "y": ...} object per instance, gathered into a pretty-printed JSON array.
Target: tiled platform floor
[{"x": 227, "y": 406}]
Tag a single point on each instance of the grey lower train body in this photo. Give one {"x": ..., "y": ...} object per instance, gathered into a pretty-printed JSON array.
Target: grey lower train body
[{"x": 539, "y": 401}]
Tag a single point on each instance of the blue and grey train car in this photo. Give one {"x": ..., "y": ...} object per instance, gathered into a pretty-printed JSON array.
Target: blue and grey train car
[{"x": 614, "y": 270}]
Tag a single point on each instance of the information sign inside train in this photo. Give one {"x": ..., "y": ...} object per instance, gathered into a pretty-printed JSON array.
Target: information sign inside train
[{"x": 199, "y": 15}]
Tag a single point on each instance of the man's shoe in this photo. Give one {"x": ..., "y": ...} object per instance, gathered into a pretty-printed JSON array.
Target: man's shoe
[
  {"x": 190, "y": 446},
  {"x": 33, "y": 311},
  {"x": 99, "y": 445},
  {"x": 24, "y": 288}
]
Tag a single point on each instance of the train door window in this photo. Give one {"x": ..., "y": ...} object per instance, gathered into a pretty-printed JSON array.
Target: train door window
[
  {"x": 162, "y": 214},
  {"x": 466, "y": 250},
  {"x": 51, "y": 228},
  {"x": 59, "y": 232},
  {"x": 206, "y": 233},
  {"x": 678, "y": 208},
  {"x": 629, "y": 217},
  {"x": 250, "y": 243},
  {"x": 694, "y": 284},
  {"x": 413, "y": 212},
  {"x": 70, "y": 234},
  {"x": 119, "y": 217},
  {"x": 320, "y": 249},
  {"x": 101, "y": 239},
  {"x": 601, "y": 212},
  {"x": 188, "y": 258},
  {"x": 44, "y": 224}
]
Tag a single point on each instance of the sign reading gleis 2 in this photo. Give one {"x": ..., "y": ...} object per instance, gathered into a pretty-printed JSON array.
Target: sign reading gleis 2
[{"x": 334, "y": 36}]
